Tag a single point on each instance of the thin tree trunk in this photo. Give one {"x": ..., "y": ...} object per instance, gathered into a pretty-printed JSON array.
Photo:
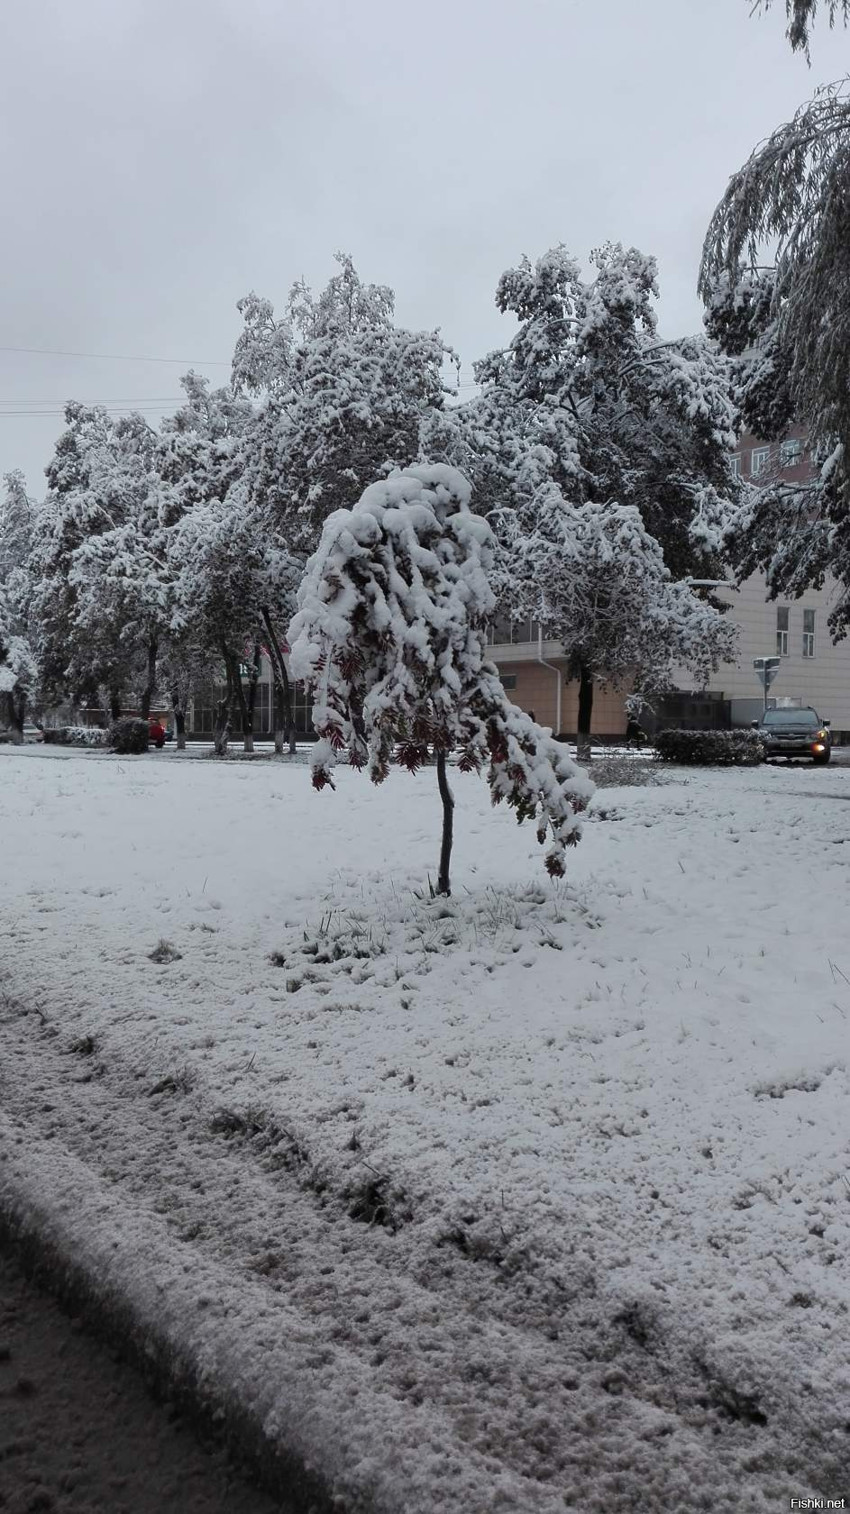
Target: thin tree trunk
[
  {"x": 251, "y": 702},
  {"x": 236, "y": 686},
  {"x": 585, "y": 712},
  {"x": 178, "y": 704},
  {"x": 443, "y": 879},
  {"x": 279, "y": 716},
  {"x": 114, "y": 704},
  {"x": 19, "y": 710},
  {"x": 281, "y": 678},
  {"x": 222, "y": 711},
  {"x": 150, "y": 685}
]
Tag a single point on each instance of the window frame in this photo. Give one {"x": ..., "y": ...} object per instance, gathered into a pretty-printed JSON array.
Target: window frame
[
  {"x": 809, "y": 631},
  {"x": 759, "y": 461},
  {"x": 783, "y": 632}
]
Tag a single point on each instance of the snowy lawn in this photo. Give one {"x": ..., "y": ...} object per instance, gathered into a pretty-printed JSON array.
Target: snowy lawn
[{"x": 536, "y": 1199}]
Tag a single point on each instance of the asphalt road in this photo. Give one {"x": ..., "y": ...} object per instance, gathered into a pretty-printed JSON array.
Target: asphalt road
[{"x": 80, "y": 1434}]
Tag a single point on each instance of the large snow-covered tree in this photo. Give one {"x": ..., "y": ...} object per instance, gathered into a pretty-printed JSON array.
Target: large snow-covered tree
[
  {"x": 621, "y": 414},
  {"x": 597, "y": 582},
  {"x": 587, "y": 407},
  {"x": 18, "y": 665},
  {"x": 96, "y": 573},
  {"x": 225, "y": 586},
  {"x": 19, "y": 673},
  {"x": 214, "y": 563},
  {"x": 787, "y": 325},
  {"x": 343, "y": 394},
  {"x": 17, "y": 522},
  {"x": 391, "y": 637}
]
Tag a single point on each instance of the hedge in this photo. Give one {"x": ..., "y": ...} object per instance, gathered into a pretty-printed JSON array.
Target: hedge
[
  {"x": 76, "y": 735},
  {"x": 705, "y": 747}
]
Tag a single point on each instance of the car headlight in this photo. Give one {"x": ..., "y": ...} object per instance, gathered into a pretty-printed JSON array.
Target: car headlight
[{"x": 820, "y": 735}]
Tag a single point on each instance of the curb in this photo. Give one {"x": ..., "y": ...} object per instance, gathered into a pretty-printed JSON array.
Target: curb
[{"x": 51, "y": 1249}]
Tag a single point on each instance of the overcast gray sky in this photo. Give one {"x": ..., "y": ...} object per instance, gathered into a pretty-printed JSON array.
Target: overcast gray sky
[{"x": 162, "y": 157}]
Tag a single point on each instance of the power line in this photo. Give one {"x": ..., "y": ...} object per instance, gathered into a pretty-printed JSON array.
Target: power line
[
  {"x": 146, "y": 399},
  {"x": 121, "y": 357},
  {"x": 16, "y": 415}
]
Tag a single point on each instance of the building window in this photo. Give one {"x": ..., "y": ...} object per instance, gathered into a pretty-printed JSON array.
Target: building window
[
  {"x": 508, "y": 680},
  {"x": 735, "y": 464},
  {"x": 782, "y": 617},
  {"x": 759, "y": 459},
  {"x": 808, "y": 633},
  {"x": 791, "y": 452},
  {"x": 504, "y": 630}
]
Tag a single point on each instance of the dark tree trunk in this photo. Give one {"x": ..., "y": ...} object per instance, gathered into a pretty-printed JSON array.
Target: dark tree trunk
[
  {"x": 585, "y": 712},
  {"x": 114, "y": 704},
  {"x": 222, "y": 711},
  {"x": 178, "y": 705},
  {"x": 443, "y": 878},
  {"x": 281, "y": 678},
  {"x": 12, "y": 711},
  {"x": 150, "y": 685},
  {"x": 19, "y": 709},
  {"x": 235, "y": 681},
  {"x": 251, "y": 703},
  {"x": 279, "y": 716}
]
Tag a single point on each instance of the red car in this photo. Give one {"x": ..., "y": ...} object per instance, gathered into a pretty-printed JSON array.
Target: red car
[{"x": 156, "y": 733}]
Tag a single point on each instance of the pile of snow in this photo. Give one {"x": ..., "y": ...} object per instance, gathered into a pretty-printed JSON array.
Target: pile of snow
[{"x": 533, "y": 1199}]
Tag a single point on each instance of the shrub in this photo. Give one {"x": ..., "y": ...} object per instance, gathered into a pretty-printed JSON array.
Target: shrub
[
  {"x": 76, "y": 735},
  {"x": 706, "y": 747},
  {"x": 129, "y": 736}
]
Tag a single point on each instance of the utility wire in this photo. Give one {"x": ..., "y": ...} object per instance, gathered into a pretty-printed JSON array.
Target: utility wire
[
  {"x": 146, "y": 399},
  {"x": 121, "y": 357},
  {"x": 16, "y": 415}
]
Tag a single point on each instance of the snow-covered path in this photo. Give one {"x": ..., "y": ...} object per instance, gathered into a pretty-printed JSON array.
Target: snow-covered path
[
  {"x": 537, "y": 1199},
  {"x": 80, "y": 1432}
]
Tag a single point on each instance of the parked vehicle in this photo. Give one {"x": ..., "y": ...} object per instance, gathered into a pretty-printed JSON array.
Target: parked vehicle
[
  {"x": 156, "y": 733},
  {"x": 795, "y": 733},
  {"x": 33, "y": 732}
]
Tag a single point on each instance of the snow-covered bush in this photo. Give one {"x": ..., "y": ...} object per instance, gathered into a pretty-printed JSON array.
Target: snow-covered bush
[
  {"x": 391, "y": 639},
  {"x": 86, "y": 735},
  {"x": 129, "y": 736},
  {"x": 76, "y": 735},
  {"x": 704, "y": 747}
]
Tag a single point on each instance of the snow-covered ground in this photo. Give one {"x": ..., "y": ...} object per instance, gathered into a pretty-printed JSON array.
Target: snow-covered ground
[{"x": 532, "y": 1200}]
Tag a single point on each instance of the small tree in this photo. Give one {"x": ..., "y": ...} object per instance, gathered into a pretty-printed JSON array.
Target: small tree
[{"x": 391, "y": 638}]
